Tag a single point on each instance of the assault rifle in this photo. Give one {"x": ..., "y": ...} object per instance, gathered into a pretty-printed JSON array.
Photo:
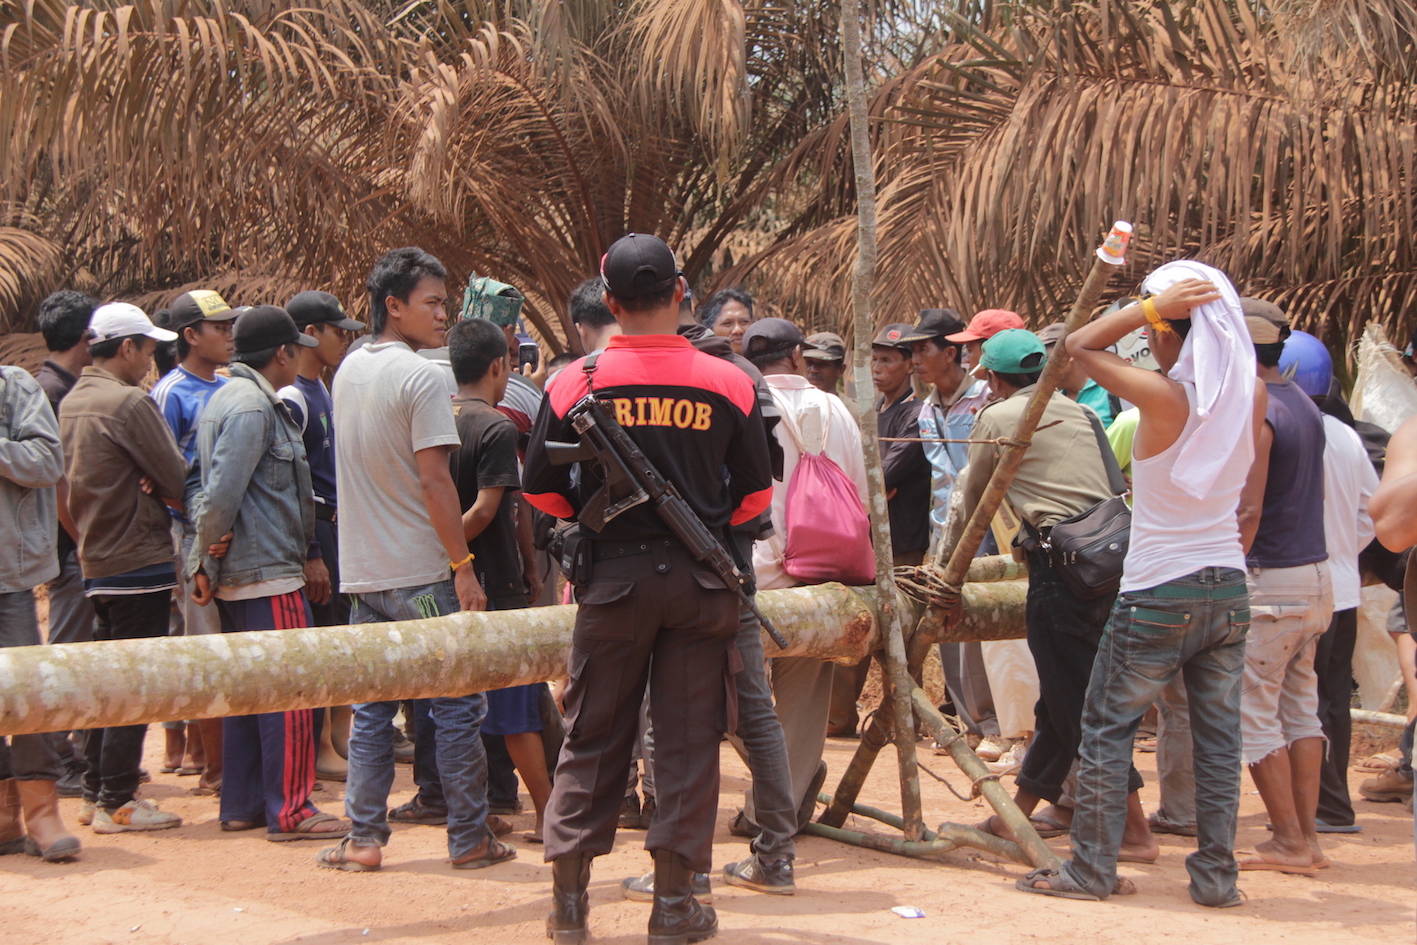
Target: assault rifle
[{"x": 631, "y": 480}]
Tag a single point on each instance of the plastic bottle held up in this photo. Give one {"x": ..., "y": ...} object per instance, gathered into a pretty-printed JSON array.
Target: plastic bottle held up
[{"x": 1114, "y": 248}]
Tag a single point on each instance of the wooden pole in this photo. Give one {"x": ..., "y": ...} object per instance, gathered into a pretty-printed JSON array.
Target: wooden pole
[
  {"x": 899, "y": 682},
  {"x": 931, "y": 624}
]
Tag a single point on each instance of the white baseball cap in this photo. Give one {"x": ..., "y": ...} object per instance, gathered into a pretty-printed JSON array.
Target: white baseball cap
[{"x": 119, "y": 320}]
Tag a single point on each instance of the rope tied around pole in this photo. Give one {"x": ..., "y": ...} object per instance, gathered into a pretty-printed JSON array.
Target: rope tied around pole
[
  {"x": 926, "y": 584},
  {"x": 976, "y": 787}
]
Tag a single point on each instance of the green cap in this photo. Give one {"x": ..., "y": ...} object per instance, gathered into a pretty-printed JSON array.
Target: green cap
[{"x": 1014, "y": 351}]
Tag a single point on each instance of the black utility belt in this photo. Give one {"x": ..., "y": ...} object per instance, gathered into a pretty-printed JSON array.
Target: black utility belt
[
  {"x": 609, "y": 550},
  {"x": 579, "y": 553},
  {"x": 326, "y": 513}
]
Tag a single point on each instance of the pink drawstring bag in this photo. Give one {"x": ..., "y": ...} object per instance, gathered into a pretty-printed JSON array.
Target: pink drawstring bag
[{"x": 828, "y": 531}]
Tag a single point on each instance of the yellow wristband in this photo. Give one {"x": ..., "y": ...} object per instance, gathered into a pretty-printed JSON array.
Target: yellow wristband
[
  {"x": 1148, "y": 308},
  {"x": 457, "y": 564}
]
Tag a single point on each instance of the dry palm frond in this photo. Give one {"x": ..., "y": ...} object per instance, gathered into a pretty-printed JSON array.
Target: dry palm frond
[{"x": 1003, "y": 158}]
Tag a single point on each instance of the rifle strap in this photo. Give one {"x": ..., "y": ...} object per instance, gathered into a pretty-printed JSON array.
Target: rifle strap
[{"x": 588, "y": 366}]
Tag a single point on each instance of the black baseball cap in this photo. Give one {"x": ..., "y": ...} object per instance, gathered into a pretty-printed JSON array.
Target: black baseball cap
[
  {"x": 638, "y": 265},
  {"x": 267, "y": 326},
  {"x": 770, "y": 335},
  {"x": 320, "y": 308},
  {"x": 935, "y": 323},
  {"x": 189, "y": 308},
  {"x": 893, "y": 336}
]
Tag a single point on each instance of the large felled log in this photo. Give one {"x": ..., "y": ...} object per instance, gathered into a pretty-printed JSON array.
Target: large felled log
[{"x": 87, "y": 685}]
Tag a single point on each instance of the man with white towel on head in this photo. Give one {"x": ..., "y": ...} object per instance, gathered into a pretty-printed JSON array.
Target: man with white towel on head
[{"x": 1183, "y": 606}]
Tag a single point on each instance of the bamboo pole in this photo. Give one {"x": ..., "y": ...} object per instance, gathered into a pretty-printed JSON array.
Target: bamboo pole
[
  {"x": 899, "y": 682},
  {"x": 962, "y": 555},
  {"x": 951, "y": 837},
  {"x": 960, "y": 834},
  {"x": 1039, "y": 854}
]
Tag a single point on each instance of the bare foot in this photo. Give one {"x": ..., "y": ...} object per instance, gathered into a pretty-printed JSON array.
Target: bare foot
[
  {"x": 1145, "y": 852},
  {"x": 349, "y": 856},
  {"x": 1062, "y": 816},
  {"x": 1320, "y": 858},
  {"x": 995, "y": 826},
  {"x": 1274, "y": 853}
]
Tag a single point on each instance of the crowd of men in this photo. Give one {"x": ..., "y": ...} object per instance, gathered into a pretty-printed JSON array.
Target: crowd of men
[{"x": 230, "y": 489}]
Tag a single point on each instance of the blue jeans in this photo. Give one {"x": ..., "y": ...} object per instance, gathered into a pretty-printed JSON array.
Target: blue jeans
[
  {"x": 1195, "y": 626},
  {"x": 462, "y": 763}
]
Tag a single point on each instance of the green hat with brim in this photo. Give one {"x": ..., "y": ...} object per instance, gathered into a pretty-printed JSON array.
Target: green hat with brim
[{"x": 1014, "y": 351}]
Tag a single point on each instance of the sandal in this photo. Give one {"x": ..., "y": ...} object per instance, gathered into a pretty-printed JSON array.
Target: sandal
[
  {"x": 1377, "y": 764},
  {"x": 1049, "y": 827},
  {"x": 306, "y": 829},
  {"x": 1058, "y": 886},
  {"x": 333, "y": 858},
  {"x": 497, "y": 852}
]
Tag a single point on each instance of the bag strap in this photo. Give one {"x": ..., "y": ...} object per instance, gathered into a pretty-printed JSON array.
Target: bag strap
[
  {"x": 789, "y": 423},
  {"x": 1115, "y": 480}
]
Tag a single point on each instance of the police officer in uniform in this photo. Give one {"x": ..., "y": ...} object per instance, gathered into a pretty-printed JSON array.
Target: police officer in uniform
[{"x": 649, "y": 614}]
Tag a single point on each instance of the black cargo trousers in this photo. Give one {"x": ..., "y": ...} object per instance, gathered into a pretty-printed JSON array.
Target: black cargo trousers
[{"x": 649, "y": 614}]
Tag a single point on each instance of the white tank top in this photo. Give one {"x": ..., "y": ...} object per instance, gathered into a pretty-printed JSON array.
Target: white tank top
[{"x": 1173, "y": 532}]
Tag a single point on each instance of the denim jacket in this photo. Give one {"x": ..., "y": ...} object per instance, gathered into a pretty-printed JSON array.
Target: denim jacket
[
  {"x": 250, "y": 478},
  {"x": 31, "y": 462},
  {"x": 947, "y": 460}
]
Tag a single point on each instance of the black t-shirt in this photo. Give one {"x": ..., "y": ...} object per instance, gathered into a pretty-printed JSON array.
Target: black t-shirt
[
  {"x": 487, "y": 459},
  {"x": 907, "y": 473}
]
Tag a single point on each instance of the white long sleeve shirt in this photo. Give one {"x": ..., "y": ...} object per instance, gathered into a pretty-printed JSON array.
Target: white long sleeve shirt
[
  {"x": 1349, "y": 482},
  {"x": 827, "y": 427}
]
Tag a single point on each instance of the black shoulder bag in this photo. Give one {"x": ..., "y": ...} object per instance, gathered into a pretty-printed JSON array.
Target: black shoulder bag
[{"x": 1088, "y": 549}]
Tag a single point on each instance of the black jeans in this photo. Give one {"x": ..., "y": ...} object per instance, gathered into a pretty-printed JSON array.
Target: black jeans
[
  {"x": 1333, "y": 664},
  {"x": 502, "y": 781},
  {"x": 335, "y": 611},
  {"x": 1063, "y": 634},
  {"x": 114, "y": 755}
]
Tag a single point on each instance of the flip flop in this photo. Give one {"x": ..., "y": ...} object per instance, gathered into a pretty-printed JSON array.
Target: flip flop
[
  {"x": 1130, "y": 858},
  {"x": 202, "y": 790},
  {"x": 532, "y": 837},
  {"x": 1061, "y": 887},
  {"x": 1258, "y": 861},
  {"x": 1048, "y": 827},
  {"x": 186, "y": 771},
  {"x": 1377, "y": 764},
  {"x": 497, "y": 852},
  {"x": 1321, "y": 827},
  {"x": 333, "y": 858},
  {"x": 170, "y": 769},
  {"x": 305, "y": 830}
]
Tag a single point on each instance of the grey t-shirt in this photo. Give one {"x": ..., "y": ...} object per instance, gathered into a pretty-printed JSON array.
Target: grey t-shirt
[{"x": 389, "y": 404}]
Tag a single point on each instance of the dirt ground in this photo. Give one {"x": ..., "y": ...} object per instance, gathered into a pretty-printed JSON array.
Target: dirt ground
[{"x": 195, "y": 885}]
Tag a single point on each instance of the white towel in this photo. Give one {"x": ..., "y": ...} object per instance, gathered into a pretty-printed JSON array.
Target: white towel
[{"x": 1219, "y": 360}]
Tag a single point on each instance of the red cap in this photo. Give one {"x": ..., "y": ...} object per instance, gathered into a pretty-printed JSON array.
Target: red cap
[{"x": 987, "y": 324}]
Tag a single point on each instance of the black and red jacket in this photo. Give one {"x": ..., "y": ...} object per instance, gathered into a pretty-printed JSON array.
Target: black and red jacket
[{"x": 696, "y": 418}]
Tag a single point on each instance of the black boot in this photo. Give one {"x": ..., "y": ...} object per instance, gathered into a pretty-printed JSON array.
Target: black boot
[
  {"x": 570, "y": 904},
  {"x": 677, "y": 918}
]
